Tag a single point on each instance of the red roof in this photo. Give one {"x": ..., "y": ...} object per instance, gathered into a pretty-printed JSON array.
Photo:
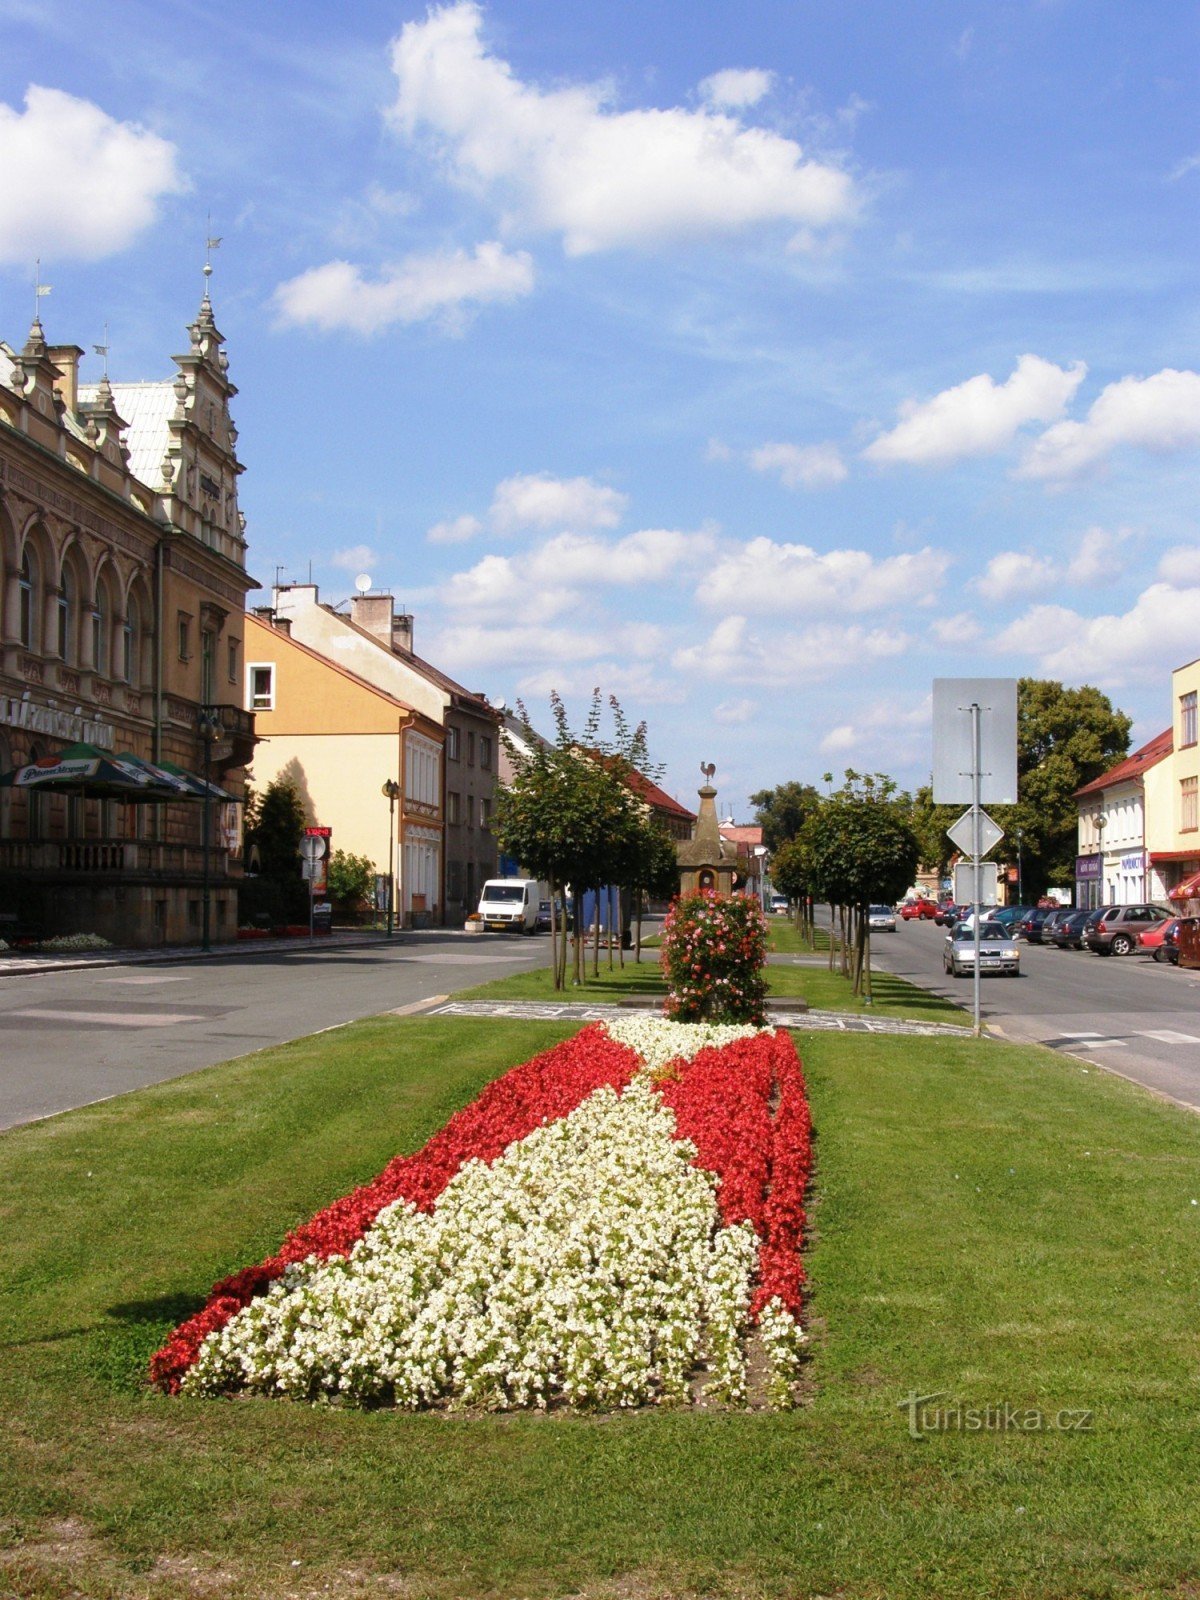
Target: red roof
[
  {"x": 648, "y": 791},
  {"x": 1158, "y": 749},
  {"x": 742, "y": 833}
]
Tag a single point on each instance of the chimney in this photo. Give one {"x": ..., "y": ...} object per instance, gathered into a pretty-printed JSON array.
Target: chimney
[
  {"x": 66, "y": 385},
  {"x": 402, "y": 633},
  {"x": 373, "y": 614}
]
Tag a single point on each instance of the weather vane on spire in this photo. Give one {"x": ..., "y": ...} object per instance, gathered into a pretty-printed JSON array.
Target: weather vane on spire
[
  {"x": 211, "y": 243},
  {"x": 39, "y": 288},
  {"x": 102, "y": 350}
]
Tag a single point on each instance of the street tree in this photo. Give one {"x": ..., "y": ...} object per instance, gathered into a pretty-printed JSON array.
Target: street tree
[
  {"x": 1065, "y": 738},
  {"x": 782, "y": 812},
  {"x": 860, "y": 849}
]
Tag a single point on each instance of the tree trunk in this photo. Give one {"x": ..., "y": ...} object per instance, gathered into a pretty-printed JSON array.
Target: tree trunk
[{"x": 637, "y": 938}]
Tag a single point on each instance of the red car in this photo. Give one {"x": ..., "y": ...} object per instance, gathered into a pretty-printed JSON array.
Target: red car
[
  {"x": 1160, "y": 940},
  {"x": 924, "y": 909}
]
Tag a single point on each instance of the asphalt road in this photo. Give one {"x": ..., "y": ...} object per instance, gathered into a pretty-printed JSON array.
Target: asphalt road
[
  {"x": 1127, "y": 1014},
  {"x": 68, "y": 1038}
]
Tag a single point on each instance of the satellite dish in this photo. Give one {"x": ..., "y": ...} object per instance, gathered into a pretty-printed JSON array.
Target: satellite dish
[{"x": 363, "y": 582}]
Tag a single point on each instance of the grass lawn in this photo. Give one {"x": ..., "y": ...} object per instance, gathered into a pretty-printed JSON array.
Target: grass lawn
[
  {"x": 991, "y": 1222},
  {"x": 808, "y": 980}
]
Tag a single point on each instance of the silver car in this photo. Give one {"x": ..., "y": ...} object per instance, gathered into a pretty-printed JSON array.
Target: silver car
[
  {"x": 881, "y": 917},
  {"x": 998, "y": 951}
]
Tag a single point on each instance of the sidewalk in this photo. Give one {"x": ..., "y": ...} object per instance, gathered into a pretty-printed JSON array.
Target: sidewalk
[
  {"x": 580, "y": 1011},
  {"x": 21, "y": 963}
]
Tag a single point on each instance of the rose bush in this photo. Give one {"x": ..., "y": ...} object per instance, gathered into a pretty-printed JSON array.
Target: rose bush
[{"x": 714, "y": 949}]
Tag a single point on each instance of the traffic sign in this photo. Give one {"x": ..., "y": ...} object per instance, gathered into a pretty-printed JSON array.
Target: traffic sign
[
  {"x": 962, "y": 833},
  {"x": 312, "y": 847}
]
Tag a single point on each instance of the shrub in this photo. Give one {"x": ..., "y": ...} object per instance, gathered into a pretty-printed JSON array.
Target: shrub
[{"x": 714, "y": 948}]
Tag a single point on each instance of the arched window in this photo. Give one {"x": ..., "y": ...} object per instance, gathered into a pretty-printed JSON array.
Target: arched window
[
  {"x": 101, "y": 628},
  {"x": 28, "y": 583},
  {"x": 67, "y": 607},
  {"x": 131, "y": 640}
]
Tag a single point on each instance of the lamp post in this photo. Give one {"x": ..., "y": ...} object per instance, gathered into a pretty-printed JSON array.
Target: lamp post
[
  {"x": 392, "y": 790},
  {"x": 1101, "y": 822},
  {"x": 1020, "y": 878},
  {"x": 761, "y": 851},
  {"x": 210, "y": 729}
]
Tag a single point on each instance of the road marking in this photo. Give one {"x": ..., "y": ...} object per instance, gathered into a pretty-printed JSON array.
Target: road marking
[
  {"x": 108, "y": 1019},
  {"x": 1168, "y": 1036}
]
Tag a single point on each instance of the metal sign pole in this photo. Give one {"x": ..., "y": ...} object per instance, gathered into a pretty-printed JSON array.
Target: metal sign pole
[{"x": 976, "y": 851}]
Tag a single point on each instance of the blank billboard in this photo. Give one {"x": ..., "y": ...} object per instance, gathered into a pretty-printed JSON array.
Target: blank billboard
[{"x": 953, "y": 740}]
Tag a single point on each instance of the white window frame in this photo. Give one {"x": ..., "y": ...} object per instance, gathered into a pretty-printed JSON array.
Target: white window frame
[{"x": 253, "y": 701}]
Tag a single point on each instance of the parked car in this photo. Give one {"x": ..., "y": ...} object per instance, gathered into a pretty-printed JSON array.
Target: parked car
[
  {"x": 1154, "y": 938},
  {"x": 926, "y": 910},
  {"x": 1170, "y": 943},
  {"x": 779, "y": 905},
  {"x": 1055, "y": 917},
  {"x": 945, "y": 913},
  {"x": 998, "y": 950},
  {"x": 1116, "y": 932},
  {"x": 1009, "y": 916},
  {"x": 1031, "y": 924},
  {"x": 1068, "y": 934},
  {"x": 542, "y": 922},
  {"x": 509, "y": 904},
  {"x": 881, "y": 917}
]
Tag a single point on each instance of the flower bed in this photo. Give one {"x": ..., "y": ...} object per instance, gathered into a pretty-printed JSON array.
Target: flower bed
[{"x": 603, "y": 1226}]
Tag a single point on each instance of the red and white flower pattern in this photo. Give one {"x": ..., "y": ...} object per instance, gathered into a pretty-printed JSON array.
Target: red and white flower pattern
[{"x": 601, "y": 1225}]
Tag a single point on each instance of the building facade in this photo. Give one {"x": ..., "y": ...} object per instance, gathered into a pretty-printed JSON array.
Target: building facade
[
  {"x": 340, "y": 740},
  {"x": 122, "y": 592},
  {"x": 452, "y": 858},
  {"x": 1117, "y": 814},
  {"x": 1175, "y": 847}
]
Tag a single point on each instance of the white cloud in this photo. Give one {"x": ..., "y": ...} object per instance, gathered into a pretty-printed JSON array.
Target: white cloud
[
  {"x": 732, "y": 653},
  {"x": 565, "y": 161},
  {"x": 788, "y": 578},
  {"x": 644, "y": 557},
  {"x": 495, "y": 587},
  {"x": 464, "y": 647},
  {"x": 77, "y": 183},
  {"x": 1156, "y": 633},
  {"x": 1182, "y": 168},
  {"x": 357, "y": 558},
  {"x": 537, "y": 500},
  {"x": 736, "y": 86},
  {"x": 962, "y": 628},
  {"x": 812, "y": 466},
  {"x": 839, "y": 741},
  {"x": 734, "y": 713},
  {"x": 883, "y": 735},
  {"x": 1160, "y": 413},
  {"x": 444, "y": 285},
  {"x": 1180, "y": 565},
  {"x": 456, "y": 530},
  {"x": 979, "y": 416},
  {"x": 1014, "y": 573}
]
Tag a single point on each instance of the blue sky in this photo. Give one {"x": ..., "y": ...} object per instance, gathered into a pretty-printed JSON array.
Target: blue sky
[{"x": 755, "y": 362}]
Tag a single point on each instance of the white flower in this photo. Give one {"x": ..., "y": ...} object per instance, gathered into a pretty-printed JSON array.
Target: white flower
[{"x": 659, "y": 1041}]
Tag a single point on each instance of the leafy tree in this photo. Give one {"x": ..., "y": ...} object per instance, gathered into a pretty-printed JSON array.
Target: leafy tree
[
  {"x": 791, "y": 873},
  {"x": 860, "y": 849},
  {"x": 782, "y": 812},
  {"x": 929, "y": 822},
  {"x": 351, "y": 879},
  {"x": 1065, "y": 738},
  {"x": 569, "y": 814}
]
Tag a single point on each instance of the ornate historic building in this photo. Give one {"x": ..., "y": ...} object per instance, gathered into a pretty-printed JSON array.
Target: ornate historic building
[{"x": 122, "y": 596}]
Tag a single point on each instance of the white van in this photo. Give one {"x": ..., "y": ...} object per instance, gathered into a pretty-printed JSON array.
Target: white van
[{"x": 510, "y": 903}]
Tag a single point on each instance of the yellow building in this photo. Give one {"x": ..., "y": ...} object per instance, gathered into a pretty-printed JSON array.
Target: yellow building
[
  {"x": 1174, "y": 823},
  {"x": 122, "y": 592},
  {"x": 340, "y": 739}
]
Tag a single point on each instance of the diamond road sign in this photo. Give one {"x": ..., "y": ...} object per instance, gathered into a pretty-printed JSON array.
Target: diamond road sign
[{"x": 963, "y": 833}]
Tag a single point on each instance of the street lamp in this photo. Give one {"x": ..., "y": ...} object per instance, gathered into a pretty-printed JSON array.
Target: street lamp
[
  {"x": 392, "y": 790},
  {"x": 761, "y": 851},
  {"x": 208, "y": 723},
  {"x": 1101, "y": 822},
  {"x": 1020, "y": 879}
]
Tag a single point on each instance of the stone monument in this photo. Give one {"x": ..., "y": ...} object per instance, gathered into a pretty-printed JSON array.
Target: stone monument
[{"x": 705, "y": 861}]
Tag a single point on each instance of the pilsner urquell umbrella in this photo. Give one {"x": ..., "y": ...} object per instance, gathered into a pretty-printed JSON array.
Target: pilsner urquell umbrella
[{"x": 83, "y": 769}]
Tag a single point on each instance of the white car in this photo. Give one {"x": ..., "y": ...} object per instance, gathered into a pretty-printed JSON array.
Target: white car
[
  {"x": 998, "y": 950},
  {"x": 881, "y": 917},
  {"x": 779, "y": 905}
]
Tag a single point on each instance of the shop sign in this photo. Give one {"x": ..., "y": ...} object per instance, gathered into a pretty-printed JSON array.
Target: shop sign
[
  {"x": 17, "y": 712},
  {"x": 1087, "y": 867}
]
